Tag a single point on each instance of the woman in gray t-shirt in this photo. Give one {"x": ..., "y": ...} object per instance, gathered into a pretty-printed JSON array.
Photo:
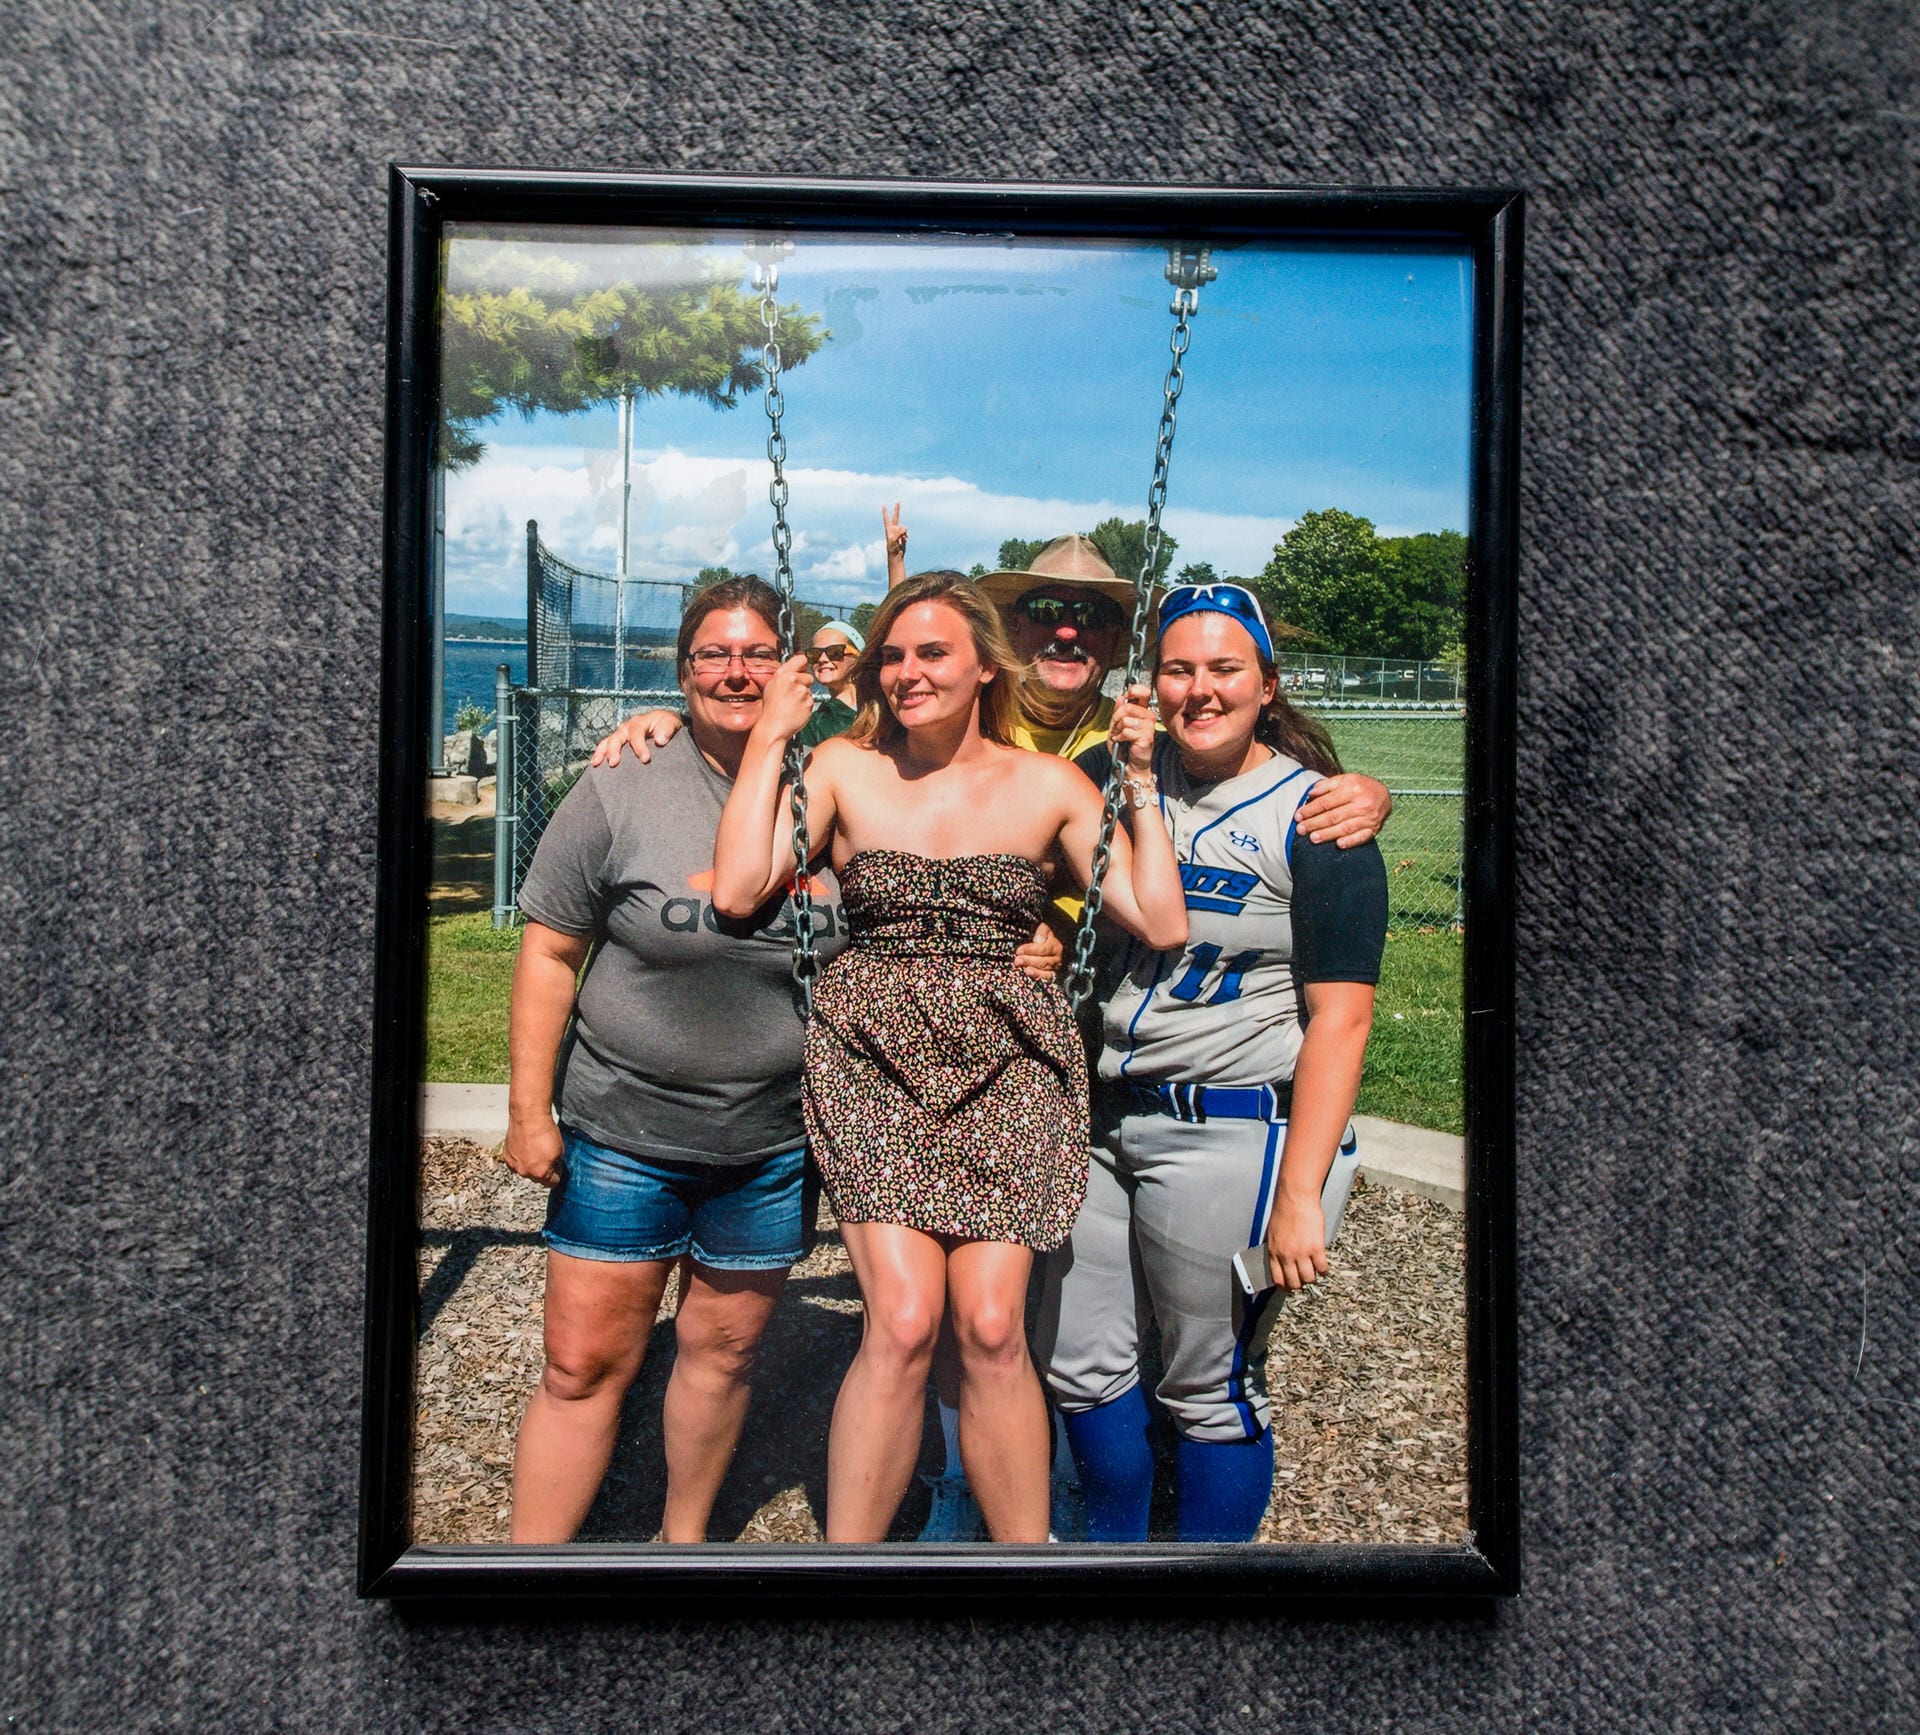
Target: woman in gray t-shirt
[{"x": 678, "y": 1093}]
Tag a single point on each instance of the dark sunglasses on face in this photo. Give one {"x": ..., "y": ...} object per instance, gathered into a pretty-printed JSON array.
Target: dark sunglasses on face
[
  {"x": 1084, "y": 612},
  {"x": 831, "y": 653}
]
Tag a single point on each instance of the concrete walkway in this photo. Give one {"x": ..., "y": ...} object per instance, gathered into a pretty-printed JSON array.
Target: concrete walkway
[{"x": 1433, "y": 1165}]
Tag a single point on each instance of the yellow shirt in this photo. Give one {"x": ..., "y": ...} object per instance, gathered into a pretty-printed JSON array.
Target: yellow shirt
[
  {"x": 1068, "y": 743},
  {"x": 1071, "y": 742}
]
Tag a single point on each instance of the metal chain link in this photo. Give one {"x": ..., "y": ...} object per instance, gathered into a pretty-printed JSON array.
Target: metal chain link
[
  {"x": 766, "y": 279},
  {"x": 1187, "y": 269}
]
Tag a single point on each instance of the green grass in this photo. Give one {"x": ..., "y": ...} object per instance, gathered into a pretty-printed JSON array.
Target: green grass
[
  {"x": 1416, "y": 1053},
  {"x": 1421, "y": 841},
  {"x": 1405, "y": 750},
  {"x": 469, "y": 981},
  {"x": 1413, "y": 1056}
]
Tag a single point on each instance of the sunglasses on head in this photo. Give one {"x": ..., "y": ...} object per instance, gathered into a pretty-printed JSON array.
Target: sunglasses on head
[
  {"x": 1234, "y": 601},
  {"x": 1082, "y": 611}
]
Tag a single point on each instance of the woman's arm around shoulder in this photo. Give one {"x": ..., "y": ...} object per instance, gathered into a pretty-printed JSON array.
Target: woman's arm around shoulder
[
  {"x": 1348, "y": 809},
  {"x": 642, "y": 732}
]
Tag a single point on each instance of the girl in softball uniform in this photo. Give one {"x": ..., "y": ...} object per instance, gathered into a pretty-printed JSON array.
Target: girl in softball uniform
[{"x": 1226, "y": 1080}]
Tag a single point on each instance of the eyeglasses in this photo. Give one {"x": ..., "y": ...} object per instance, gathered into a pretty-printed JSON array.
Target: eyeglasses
[
  {"x": 831, "y": 653},
  {"x": 1083, "y": 611},
  {"x": 756, "y": 659}
]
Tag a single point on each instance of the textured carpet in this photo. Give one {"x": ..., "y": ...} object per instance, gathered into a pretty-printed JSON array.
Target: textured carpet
[{"x": 1718, "y": 702}]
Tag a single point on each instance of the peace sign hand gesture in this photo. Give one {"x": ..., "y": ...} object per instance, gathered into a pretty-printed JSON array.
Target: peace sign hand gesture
[{"x": 896, "y": 538}]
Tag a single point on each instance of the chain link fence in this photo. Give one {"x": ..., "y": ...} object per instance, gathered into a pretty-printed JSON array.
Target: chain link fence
[
  {"x": 1418, "y": 750},
  {"x": 1312, "y": 681},
  {"x": 546, "y": 738}
]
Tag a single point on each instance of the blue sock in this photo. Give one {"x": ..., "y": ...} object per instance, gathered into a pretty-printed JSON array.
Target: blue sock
[
  {"x": 1223, "y": 1487},
  {"x": 1116, "y": 1466}
]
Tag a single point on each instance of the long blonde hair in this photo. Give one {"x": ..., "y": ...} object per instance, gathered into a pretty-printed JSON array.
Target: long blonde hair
[{"x": 1001, "y": 711}]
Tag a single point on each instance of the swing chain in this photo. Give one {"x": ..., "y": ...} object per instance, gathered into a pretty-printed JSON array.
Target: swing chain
[
  {"x": 1187, "y": 270},
  {"x": 766, "y": 279}
]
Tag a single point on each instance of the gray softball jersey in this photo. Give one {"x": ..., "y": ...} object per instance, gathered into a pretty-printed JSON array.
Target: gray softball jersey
[{"x": 1266, "y": 912}]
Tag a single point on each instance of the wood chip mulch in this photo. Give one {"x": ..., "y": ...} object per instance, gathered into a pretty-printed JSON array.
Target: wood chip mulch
[{"x": 1367, "y": 1372}]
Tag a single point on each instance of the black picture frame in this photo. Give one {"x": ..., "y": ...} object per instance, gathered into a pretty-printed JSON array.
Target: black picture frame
[{"x": 1489, "y": 223}]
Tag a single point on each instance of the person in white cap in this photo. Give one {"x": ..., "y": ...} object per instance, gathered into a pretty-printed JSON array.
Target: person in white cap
[{"x": 831, "y": 653}]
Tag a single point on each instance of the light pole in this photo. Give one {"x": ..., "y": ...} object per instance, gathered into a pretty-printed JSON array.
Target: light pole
[{"x": 620, "y": 565}]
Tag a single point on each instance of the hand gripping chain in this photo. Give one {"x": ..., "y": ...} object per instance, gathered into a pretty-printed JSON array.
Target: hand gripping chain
[
  {"x": 766, "y": 279},
  {"x": 1187, "y": 269}
]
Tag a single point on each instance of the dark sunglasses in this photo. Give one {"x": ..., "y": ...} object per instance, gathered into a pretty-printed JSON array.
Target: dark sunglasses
[
  {"x": 830, "y": 654},
  {"x": 1083, "y": 611}
]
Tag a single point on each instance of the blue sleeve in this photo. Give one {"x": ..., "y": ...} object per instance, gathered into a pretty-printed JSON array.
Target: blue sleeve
[{"x": 1339, "y": 912}]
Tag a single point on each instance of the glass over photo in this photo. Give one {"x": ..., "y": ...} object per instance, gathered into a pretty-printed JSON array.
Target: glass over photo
[{"x": 944, "y": 1012}]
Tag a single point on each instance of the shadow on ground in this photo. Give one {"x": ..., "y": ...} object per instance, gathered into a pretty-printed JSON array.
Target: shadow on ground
[
  {"x": 462, "y": 858},
  {"x": 776, "y": 1490}
]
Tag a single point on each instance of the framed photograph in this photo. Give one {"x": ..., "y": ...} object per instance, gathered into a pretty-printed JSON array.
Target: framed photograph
[{"x": 1077, "y": 1159}]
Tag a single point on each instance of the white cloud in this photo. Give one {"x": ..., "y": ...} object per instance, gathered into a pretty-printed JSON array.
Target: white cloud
[{"x": 690, "y": 511}]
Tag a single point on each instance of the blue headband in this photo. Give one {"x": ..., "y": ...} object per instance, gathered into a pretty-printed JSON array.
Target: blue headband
[{"x": 1232, "y": 600}]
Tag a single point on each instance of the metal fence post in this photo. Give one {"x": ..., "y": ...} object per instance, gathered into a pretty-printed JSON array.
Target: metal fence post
[
  {"x": 506, "y": 804},
  {"x": 1460, "y": 870},
  {"x": 533, "y": 602},
  {"x": 437, "y": 609}
]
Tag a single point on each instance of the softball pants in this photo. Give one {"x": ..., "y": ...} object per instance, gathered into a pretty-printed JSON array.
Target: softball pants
[{"x": 1169, "y": 1203}]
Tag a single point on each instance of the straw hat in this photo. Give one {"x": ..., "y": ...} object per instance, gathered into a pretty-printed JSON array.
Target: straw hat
[{"x": 1064, "y": 560}]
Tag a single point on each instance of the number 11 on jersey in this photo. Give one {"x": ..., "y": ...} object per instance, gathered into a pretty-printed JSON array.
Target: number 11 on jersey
[{"x": 1201, "y": 962}]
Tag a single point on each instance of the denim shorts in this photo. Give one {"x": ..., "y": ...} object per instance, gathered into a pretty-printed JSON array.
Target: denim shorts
[{"x": 730, "y": 1217}]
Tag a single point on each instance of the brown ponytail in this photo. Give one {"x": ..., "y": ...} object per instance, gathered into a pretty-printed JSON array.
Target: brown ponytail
[{"x": 1292, "y": 732}]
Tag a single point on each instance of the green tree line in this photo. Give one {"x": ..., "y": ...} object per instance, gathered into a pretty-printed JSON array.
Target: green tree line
[
  {"x": 1355, "y": 593},
  {"x": 1333, "y": 585}
]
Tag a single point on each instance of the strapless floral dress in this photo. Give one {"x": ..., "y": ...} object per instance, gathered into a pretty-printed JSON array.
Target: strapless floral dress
[{"x": 945, "y": 1088}]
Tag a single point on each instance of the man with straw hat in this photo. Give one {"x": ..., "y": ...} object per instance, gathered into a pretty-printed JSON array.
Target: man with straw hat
[{"x": 1068, "y": 614}]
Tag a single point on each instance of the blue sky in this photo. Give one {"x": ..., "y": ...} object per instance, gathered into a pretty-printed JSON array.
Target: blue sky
[{"x": 1002, "y": 388}]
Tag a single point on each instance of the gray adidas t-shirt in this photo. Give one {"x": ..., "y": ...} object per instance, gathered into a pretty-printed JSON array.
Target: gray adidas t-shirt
[
  {"x": 686, "y": 1044},
  {"x": 1266, "y": 913}
]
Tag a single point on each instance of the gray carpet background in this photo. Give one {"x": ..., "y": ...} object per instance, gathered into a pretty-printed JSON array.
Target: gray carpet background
[{"x": 1717, "y": 913}]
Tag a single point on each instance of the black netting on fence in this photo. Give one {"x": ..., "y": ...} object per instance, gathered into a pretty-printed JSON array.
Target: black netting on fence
[{"x": 594, "y": 631}]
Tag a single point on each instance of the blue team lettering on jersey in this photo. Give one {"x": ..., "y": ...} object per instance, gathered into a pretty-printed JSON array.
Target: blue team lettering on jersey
[
  {"x": 1213, "y": 888},
  {"x": 1200, "y": 962}
]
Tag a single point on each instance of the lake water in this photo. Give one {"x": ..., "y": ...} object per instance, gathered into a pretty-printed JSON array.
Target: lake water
[
  {"x": 471, "y": 664},
  {"x": 470, "y": 667}
]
